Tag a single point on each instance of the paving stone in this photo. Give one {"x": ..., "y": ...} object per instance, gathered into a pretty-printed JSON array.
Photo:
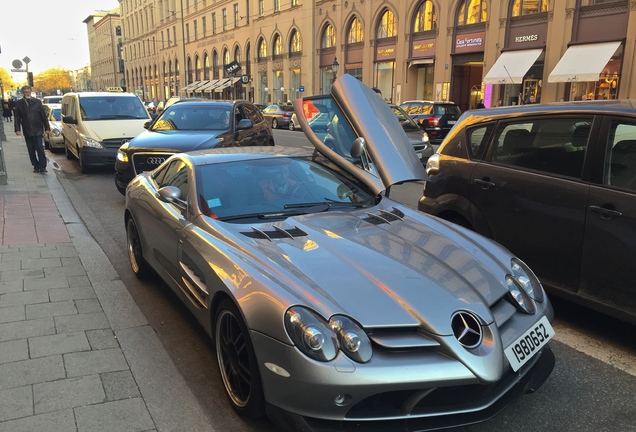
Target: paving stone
[
  {"x": 43, "y": 346},
  {"x": 19, "y": 256},
  {"x": 120, "y": 385},
  {"x": 58, "y": 421},
  {"x": 75, "y": 270},
  {"x": 43, "y": 310},
  {"x": 70, "y": 261},
  {"x": 79, "y": 293},
  {"x": 102, "y": 339},
  {"x": 68, "y": 393},
  {"x": 81, "y": 322},
  {"x": 25, "y": 372},
  {"x": 60, "y": 252},
  {"x": 10, "y": 275},
  {"x": 31, "y": 247},
  {"x": 15, "y": 350},
  {"x": 88, "y": 306},
  {"x": 16, "y": 403},
  {"x": 12, "y": 286},
  {"x": 45, "y": 283},
  {"x": 12, "y": 313},
  {"x": 23, "y": 298},
  {"x": 78, "y": 281},
  {"x": 124, "y": 415},
  {"x": 92, "y": 362},
  {"x": 10, "y": 265},
  {"x": 41, "y": 263},
  {"x": 18, "y": 329}
]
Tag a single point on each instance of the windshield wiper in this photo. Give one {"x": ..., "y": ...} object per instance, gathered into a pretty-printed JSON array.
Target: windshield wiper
[
  {"x": 269, "y": 215},
  {"x": 118, "y": 116},
  {"x": 327, "y": 204}
]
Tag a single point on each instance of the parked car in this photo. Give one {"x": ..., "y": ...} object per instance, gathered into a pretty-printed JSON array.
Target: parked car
[
  {"x": 191, "y": 124},
  {"x": 54, "y": 141},
  {"x": 95, "y": 124},
  {"x": 419, "y": 138},
  {"x": 293, "y": 123},
  {"x": 329, "y": 302},
  {"x": 555, "y": 184},
  {"x": 261, "y": 106},
  {"x": 52, "y": 100},
  {"x": 278, "y": 115},
  {"x": 436, "y": 118}
]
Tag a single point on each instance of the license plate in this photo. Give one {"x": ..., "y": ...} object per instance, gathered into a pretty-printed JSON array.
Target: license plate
[
  {"x": 451, "y": 121},
  {"x": 529, "y": 343}
]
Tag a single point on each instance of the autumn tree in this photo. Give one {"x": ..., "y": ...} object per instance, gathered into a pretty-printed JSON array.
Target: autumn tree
[
  {"x": 52, "y": 80},
  {"x": 7, "y": 81}
]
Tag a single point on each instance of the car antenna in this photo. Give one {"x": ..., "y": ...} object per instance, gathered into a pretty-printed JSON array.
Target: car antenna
[{"x": 512, "y": 81}]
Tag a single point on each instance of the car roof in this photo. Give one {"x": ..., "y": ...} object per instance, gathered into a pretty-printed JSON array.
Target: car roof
[
  {"x": 591, "y": 106},
  {"x": 235, "y": 154},
  {"x": 430, "y": 102},
  {"x": 102, "y": 94}
]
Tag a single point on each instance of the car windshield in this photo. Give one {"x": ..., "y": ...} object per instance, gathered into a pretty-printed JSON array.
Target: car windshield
[
  {"x": 112, "y": 107},
  {"x": 194, "y": 117},
  {"x": 274, "y": 188},
  {"x": 407, "y": 123},
  {"x": 56, "y": 114}
]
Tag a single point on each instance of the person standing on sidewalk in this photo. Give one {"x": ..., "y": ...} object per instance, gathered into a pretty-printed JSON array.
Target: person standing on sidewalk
[{"x": 30, "y": 116}]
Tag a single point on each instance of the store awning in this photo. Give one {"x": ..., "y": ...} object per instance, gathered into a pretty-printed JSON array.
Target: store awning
[
  {"x": 583, "y": 62},
  {"x": 421, "y": 61},
  {"x": 197, "y": 88},
  {"x": 228, "y": 82},
  {"x": 209, "y": 85},
  {"x": 512, "y": 66},
  {"x": 191, "y": 85}
]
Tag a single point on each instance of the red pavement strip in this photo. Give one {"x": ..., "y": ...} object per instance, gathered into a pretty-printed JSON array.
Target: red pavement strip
[{"x": 31, "y": 219}]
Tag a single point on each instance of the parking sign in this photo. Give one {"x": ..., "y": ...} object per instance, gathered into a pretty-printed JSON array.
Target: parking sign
[{"x": 301, "y": 89}]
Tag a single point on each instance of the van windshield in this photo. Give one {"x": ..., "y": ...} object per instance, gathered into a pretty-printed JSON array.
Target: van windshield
[{"x": 112, "y": 107}]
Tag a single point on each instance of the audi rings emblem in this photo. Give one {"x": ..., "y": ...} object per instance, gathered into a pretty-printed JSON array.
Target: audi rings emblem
[
  {"x": 466, "y": 329},
  {"x": 155, "y": 160}
]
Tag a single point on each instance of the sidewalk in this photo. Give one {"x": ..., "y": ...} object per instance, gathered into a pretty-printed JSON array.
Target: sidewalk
[{"x": 76, "y": 354}]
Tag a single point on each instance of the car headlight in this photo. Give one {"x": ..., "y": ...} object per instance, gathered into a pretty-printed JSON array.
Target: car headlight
[
  {"x": 520, "y": 297},
  {"x": 90, "y": 142},
  {"x": 353, "y": 341},
  {"x": 425, "y": 137},
  {"x": 122, "y": 156},
  {"x": 527, "y": 279},
  {"x": 311, "y": 334},
  {"x": 321, "y": 340},
  {"x": 55, "y": 132}
]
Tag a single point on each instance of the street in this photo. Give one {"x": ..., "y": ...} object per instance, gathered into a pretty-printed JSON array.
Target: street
[{"x": 591, "y": 389}]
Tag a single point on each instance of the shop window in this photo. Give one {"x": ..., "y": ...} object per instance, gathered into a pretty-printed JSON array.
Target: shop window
[
  {"x": 472, "y": 12},
  {"x": 425, "y": 17}
]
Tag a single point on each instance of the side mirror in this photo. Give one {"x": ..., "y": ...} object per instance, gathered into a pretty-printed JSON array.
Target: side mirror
[
  {"x": 69, "y": 120},
  {"x": 147, "y": 124},
  {"x": 169, "y": 194},
  {"x": 358, "y": 148},
  {"x": 432, "y": 165},
  {"x": 244, "y": 124}
]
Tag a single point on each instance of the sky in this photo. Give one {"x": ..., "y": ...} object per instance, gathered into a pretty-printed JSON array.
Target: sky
[{"x": 51, "y": 33}]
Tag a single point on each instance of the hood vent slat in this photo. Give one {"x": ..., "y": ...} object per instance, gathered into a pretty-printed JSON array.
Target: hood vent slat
[
  {"x": 276, "y": 233},
  {"x": 385, "y": 216}
]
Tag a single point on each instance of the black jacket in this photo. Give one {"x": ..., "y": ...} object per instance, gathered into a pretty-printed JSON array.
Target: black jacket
[{"x": 31, "y": 117}]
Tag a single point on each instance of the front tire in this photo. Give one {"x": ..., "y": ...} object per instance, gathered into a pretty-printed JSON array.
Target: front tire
[
  {"x": 135, "y": 253},
  {"x": 274, "y": 124},
  {"x": 291, "y": 126},
  {"x": 83, "y": 168},
  {"x": 237, "y": 362},
  {"x": 69, "y": 154}
]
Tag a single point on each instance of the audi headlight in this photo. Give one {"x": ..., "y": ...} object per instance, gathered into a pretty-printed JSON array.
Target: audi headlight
[
  {"x": 90, "y": 142},
  {"x": 527, "y": 279},
  {"x": 521, "y": 298},
  {"x": 311, "y": 334},
  {"x": 122, "y": 156},
  {"x": 352, "y": 339}
]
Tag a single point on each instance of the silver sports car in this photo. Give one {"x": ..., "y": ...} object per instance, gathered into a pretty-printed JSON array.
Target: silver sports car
[{"x": 332, "y": 306}]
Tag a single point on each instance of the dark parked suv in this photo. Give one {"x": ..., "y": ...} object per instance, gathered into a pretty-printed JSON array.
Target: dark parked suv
[
  {"x": 187, "y": 125},
  {"x": 436, "y": 118},
  {"x": 555, "y": 184}
]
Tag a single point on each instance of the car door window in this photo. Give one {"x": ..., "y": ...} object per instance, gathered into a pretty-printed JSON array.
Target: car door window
[
  {"x": 478, "y": 138},
  {"x": 555, "y": 145},
  {"x": 620, "y": 158}
]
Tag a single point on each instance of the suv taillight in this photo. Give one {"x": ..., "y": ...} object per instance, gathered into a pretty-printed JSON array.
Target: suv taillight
[{"x": 432, "y": 121}]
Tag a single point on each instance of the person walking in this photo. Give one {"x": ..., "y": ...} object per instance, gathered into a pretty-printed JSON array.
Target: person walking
[
  {"x": 7, "y": 112},
  {"x": 31, "y": 118}
]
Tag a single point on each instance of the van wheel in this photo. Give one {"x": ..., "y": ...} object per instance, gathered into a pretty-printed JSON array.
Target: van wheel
[{"x": 83, "y": 168}]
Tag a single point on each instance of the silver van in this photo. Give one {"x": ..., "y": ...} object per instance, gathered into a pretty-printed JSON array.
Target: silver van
[{"x": 96, "y": 124}]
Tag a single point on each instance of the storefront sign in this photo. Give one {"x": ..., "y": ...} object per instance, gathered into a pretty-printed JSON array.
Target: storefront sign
[
  {"x": 423, "y": 48},
  {"x": 471, "y": 42},
  {"x": 527, "y": 38},
  {"x": 384, "y": 53}
]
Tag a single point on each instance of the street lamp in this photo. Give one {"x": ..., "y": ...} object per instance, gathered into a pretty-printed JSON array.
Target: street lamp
[
  {"x": 334, "y": 68},
  {"x": 282, "y": 94},
  {"x": 266, "y": 90}
]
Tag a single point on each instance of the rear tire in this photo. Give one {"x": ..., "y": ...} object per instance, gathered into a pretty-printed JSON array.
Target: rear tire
[
  {"x": 291, "y": 126},
  {"x": 274, "y": 124},
  {"x": 135, "y": 253},
  {"x": 237, "y": 362}
]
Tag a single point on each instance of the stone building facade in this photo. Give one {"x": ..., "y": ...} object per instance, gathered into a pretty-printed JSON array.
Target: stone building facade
[{"x": 105, "y": 47}]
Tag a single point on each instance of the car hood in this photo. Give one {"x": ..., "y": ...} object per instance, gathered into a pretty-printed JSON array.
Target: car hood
[
  {"x": 108, "y": 129},
  {"x": 176, "y": 141},
  {"x": 390, "y": 151},
  {"x": 402, "y": 273}
]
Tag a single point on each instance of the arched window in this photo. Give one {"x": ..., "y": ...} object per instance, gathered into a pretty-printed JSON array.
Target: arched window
[
  {"x": 197, "y": 70},
  {"x": 248, "y": 60},
  {"x": 328, "y": 37},
  {"x": 278, "y": 45},
  {"x": 387, "y": 26},
  {"x": 189, "y": 71},
  {"x": 215, "y": 65},
  {"x": 355, "y": 31},
  {"x": 425, "y": 17},
  {"x": 237, "y": 55},
  {"x": 262, "y": 50},
  {"x": 472, "y": 12},
  {"x": 206, "y": 66},
  {"x": 295, "y": 46},
  {"x": 527, "y": 7},
  {"x": 226, "y": 56}
]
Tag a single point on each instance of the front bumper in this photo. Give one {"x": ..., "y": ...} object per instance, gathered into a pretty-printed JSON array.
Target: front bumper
[
  {"x": 406, "y": 396},
  {"x": 56, "y": 142},
  {"x": 98, "y": 157}
]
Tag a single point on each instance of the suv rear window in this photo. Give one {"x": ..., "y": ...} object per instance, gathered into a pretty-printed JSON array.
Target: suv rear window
[{"x": 441, "y": 109}]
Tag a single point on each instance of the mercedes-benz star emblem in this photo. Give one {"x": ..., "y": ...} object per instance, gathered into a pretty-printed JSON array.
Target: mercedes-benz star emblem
[{"x": 466, "y": 329}]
